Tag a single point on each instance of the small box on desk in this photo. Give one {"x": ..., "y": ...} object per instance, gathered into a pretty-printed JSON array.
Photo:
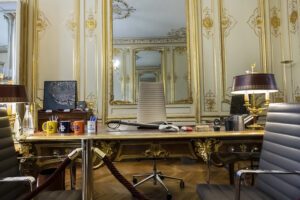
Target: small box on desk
[{"x": 73, "y": 115}]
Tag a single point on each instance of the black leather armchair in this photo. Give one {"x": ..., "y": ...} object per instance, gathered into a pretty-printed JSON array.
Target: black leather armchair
[
  {"x": 12, "y": 185},
  {"x": 279, "y": 165}
]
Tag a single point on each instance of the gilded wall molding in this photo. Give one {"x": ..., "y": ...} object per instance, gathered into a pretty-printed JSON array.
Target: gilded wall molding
[
  {"x": 165, "y": 40},
  {"x": 91, "y": 23},
  {"x": 178, "y": 33},
  {"x": 279, "y": 96},
  {"x": 72, "y": 24},
  {"x": 228, "y": 22},
  {"x": 293, "y": 15},
  {"x": 210, "y": 101},
  {"x": 207, "y": 23},
  {"x": 255, "y": 22},
  {"x": 297, "y": 94},
  {"x": 275, "y": 21},
  {"x": 42, "y": 23}
]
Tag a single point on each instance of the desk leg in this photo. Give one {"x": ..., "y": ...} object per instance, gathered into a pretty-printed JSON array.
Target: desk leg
[
  {"x": 208, "y": 167},
  {"x": 87, "y": 169},
  {"x": 73, "y": 175}
]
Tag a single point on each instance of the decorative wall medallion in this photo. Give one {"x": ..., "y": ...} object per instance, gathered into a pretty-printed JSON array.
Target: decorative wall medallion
[
  {"x": 228, "y": 22},
  {"x": 255, "y": 22},
  {"x": 91, "y": 23},
  {"x": 180, "y": 49},
  {"x": 121, "y": 10},
  {"x": 72, "y": 24},
  {"x": 275, "y": 21},
  {"x": 42, "y": 22},
  {"x": 127, "y": 79},
  {"x": 293, "y": 16},
  {"x": 207, "y": 22},
  {"x": 210, "y": 101},
  {"x": 177, "y": 33}
]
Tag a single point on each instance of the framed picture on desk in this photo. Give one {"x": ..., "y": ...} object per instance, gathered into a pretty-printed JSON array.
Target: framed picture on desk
[{"x": 60, "y": 95}]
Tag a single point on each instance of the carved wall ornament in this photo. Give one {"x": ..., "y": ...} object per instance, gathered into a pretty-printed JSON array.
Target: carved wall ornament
[
  {"x": 297, "y": 94},
  {"x": 91, "y": 101},
  {"x": 121, "y": 10},
  {"x": 180, "y": 49},
  {"x": 116, "y": 51},
  {"x": 255, "y": 22},
  {"x": 207, "y": 22},
  {"x": 210, "y": 101},
  {"x": 177, "y": 33},
  {"x": 42, "y": 22},
  {"x": 275, "y": 21},
  {"x": 293, "y": 16},
  {"x": 156, "y": 151},
  {"x": 228, "y": 22},
  {"x": 72, "y": 23},
  {"x": 279, "y": 96},
  {"x": 91, "y": 23}
]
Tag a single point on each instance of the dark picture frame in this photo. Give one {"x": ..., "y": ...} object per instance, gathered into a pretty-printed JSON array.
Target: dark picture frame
[{"x": 60, "y": 95}]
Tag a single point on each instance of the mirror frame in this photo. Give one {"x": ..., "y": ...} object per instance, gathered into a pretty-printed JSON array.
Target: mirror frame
[
  {"x": 188, "y": 100},
  {"x": 193, "y": 8}
]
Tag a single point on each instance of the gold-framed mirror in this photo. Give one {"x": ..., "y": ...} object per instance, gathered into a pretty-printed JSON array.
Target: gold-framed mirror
[{"x": 141, "y": 26}]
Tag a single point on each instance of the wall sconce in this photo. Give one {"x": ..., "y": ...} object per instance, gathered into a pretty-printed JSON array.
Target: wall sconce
[{"x": 254, "y": 83}]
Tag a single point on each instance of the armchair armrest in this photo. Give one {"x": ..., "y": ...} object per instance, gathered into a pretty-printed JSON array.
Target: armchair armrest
[
  {"x": 240, "y": 173},
  {"x": 28, "y": 179}
]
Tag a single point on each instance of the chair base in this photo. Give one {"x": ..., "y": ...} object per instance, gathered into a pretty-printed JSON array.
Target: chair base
[{"x": 157, "y": 177}]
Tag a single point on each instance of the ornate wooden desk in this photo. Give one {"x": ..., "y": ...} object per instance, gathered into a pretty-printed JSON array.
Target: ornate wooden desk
[{"x": 218, "y": 147}]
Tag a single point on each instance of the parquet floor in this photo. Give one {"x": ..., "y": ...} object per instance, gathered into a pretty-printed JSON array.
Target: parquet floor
[{"x": 106, "y": 187}]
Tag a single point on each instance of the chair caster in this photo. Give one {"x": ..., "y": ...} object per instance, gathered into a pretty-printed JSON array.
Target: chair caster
[
  {"x": 134, "y": 180},
  {"x": 181, "y": 184},
  {"x": 169, "y": 196}
]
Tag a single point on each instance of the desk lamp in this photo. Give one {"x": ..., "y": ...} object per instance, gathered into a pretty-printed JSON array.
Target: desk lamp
[
  {"x": 12, "y": 94},
  {"x": 254, "y": 83}
]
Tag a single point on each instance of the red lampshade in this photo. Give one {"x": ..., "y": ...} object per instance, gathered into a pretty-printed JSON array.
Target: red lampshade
[
  {"x": 13, "y": 94},
  {"x": 254, "y": 83}
]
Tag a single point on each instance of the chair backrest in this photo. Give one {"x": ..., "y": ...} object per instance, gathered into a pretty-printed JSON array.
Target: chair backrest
[
  {"x": 281, "y": 151},
  {"x": 151, "y": 102},
  {"x": 8, "y": 159}
]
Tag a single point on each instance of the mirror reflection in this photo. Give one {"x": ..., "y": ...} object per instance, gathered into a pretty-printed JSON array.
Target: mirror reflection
[
  {"x": 150, "y": 45},
  {"x": 8, "y": 42}
]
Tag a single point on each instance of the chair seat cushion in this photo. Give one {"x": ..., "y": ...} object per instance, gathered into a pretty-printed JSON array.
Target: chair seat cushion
[
  {"x": 226, "y": 192},
  {"x": 60, "y": 195}
]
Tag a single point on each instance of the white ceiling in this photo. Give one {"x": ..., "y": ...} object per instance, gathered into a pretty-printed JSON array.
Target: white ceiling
[{"x": 152, "y": 18}]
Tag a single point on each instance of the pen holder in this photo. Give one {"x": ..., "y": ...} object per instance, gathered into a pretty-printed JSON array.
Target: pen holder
[{"x": 92, "y": 127}]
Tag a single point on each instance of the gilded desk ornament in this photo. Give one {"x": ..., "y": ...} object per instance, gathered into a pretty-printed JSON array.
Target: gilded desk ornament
[
  {"x": 156, "y": 151},
  {"x": 205, "y": 147},
  {"x": 243, "y": 148},
  {"x": 109, "y": 148}
]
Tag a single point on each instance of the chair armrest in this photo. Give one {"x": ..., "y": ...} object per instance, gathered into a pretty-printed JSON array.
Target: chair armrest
[
  {"x": 240, "y": 173},
  {"x": 28, "y": 179}
]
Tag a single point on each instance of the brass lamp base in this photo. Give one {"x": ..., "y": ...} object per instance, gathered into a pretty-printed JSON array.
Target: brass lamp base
[{"x": 255, "y": 126}]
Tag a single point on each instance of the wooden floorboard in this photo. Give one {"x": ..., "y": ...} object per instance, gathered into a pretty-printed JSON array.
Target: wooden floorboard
[{"x": 106, "y": 187}]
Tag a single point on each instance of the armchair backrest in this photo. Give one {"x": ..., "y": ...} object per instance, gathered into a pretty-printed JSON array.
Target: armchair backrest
[
  {"x": 8, "y": 159},
  {"x": 281, "y": 151}
]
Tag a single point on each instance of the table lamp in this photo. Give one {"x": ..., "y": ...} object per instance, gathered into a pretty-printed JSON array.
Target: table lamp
[
  {"x": 12, "y": 94},
  {"x": 254, "y": 83}
]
